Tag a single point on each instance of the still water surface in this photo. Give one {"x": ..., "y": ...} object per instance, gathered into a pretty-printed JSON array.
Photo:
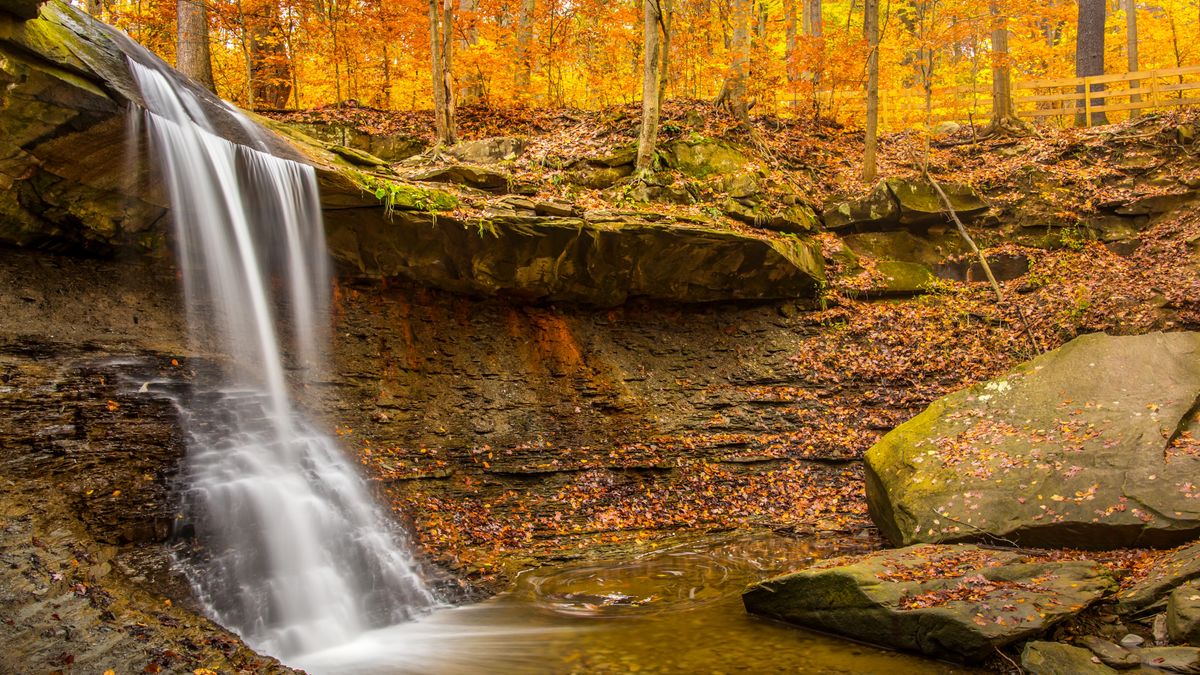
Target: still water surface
[{"x": 676, "y": 609}]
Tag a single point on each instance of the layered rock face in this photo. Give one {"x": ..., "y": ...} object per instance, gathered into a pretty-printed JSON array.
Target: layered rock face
[{"x": 1090, "y": 446}]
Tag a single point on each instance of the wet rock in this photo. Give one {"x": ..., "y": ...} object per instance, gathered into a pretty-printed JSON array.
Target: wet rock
[
  {"x": 1183, "y": 614},
  {"x": 959, "y": 602},
  {"x": 489, "y": 150},
  {"x": 1175, "y": 569},
  {"x": 704, "y": 157},
  {"x": 1087, "y": 446},
  {"x": 1055, "y": 658}
]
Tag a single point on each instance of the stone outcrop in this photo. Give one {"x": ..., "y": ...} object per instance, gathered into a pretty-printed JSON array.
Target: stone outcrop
[
  {"x": 958, "y": 602},
  {"x": 903, "y": 204},
  {"x": 602, "y": 260},
  {"x": 704, "y": 157},
  {"x": 1089, "y": 446},
  {"x": 1055, "y": 658}
]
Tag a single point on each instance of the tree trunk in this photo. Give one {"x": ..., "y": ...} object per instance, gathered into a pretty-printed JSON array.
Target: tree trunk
[
  {"x": 1002, "y": 100},
  {"x": 651, "y": 17},
  {"x": 440, "y": 39},
  {"x": 733, "y": 92},
  {"x": 1131, "y": 38},
  {"x": 192, "y": 56},
  {"x": 270, "y": 67},
  {"x": 666, "y": 20},
  {"x": 472, "y": 88},
  {"x": 1089, "y": 55},
  {"x": 789, "y": 14},
  {"x": 871, "y": 31},
  {"x": 524, "y": 47},
  {"x": 814, "y": 24}
]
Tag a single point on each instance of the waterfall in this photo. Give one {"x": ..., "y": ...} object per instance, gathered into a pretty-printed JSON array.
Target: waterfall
[{"x": 296, "y": 555}]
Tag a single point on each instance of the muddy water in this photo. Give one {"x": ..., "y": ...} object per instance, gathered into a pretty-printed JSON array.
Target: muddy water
[{"x": 676, "y": 609}]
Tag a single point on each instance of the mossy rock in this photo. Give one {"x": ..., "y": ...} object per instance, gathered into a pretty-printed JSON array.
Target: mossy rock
[
  {"x": 701, "y": 158},
  {"x": 878, "y": 211},
  {"x": 920, "y": 204},
  {"x": 1170, "y": 572},
  {"x": 1078, "y": 448},
  {"x": 794, "y": 219},
  {"x": 926, "y": 248},
  {"x": 1183, "y": 614},
  {"x": 598, "y": 177},
  {"x": 956, "y": 602}
]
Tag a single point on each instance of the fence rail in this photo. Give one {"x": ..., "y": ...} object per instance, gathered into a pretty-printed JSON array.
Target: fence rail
[{"x": 1061, "y": 100}]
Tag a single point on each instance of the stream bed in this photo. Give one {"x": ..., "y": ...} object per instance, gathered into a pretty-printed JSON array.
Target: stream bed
[{"x": 675, "y": 609}]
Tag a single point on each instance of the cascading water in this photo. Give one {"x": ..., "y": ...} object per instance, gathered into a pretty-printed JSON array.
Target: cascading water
[{"x": 297, "y": 556}]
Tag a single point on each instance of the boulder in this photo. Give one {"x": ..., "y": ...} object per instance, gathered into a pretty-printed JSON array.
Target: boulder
[
  {"x": 920, "y": 204},
  {"x": 1089, "y": 446},
  {"x": 573, "y": 259},
  {"x": 389, "y": 148},
  {"x": 904, "y": 204},
  {"x": 1055, "y": 658},
  {"x": 470, "y": 176},
  {"x": 488, "y": 150},
  {"x": 1183, "y": 614},
  {"x": 959, "y": 602},
  {"x": 1167, "y": 574},
  {"x": 875, "y": 212},
  {"x": 796, "y": 219},
  {"x": 704, "y": 157},
  {"x": 598, "y": 177},
  {"x": 927, "y": 248}
]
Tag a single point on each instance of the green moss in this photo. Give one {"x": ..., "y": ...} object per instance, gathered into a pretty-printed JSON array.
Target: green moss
[{"x": 396, "y": 195}]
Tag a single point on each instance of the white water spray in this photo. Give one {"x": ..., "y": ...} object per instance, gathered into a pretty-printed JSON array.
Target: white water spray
[{"x": 298, "y": 557}]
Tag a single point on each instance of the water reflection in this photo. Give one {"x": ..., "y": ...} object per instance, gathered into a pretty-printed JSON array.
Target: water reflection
[{"x": 676, "y": 609}]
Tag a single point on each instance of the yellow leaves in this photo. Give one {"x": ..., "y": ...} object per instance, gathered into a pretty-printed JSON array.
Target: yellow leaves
[{"x": 113, "y": 406}]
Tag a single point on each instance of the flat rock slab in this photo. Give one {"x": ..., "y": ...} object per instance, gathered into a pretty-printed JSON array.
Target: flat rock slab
[
  {"x": 1090, "y": 446},
  {"x": 960, "y": 602},
  {"x": 1055, "y": 658}
]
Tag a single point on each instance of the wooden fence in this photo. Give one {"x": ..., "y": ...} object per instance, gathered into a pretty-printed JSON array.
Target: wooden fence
[{"x": 1060, "y": 101}]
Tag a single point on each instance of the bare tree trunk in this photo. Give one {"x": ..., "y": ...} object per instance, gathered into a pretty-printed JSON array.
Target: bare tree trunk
[
  {"x": 789, "y": 14},
  {"x": 1002, "y": 100},
  {"x": 1131, "y": 38},
  {"x": 192, "y": 55},
  {"x": 441, "y": 42},
  {"x": 871, "y": 30},
  {"x": 270, "y": 66},
  {"x": 814, "y": 23},
  {"x": 246, "y": 41},
  {"x": 666, "y": 21},
  {"x": 524, "y": 46},
  {"x": 1089, "y": 55},
  {"x": 472, "y": 88},
  {"x": 651, "y": 17},
  {"x": 733, "y": 92}
]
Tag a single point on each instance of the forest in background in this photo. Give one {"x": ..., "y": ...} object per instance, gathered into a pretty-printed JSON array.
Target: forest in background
[{"x": 288, "y": 54}]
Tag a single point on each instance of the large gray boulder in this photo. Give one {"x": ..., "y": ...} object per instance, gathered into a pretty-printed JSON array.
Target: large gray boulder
[
  {"x": 897, "y": 203},
  {"x": 1183, "y": 614},
  {"x": 1089, "y": 446},
  {"x": 959, "y": 602}
]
